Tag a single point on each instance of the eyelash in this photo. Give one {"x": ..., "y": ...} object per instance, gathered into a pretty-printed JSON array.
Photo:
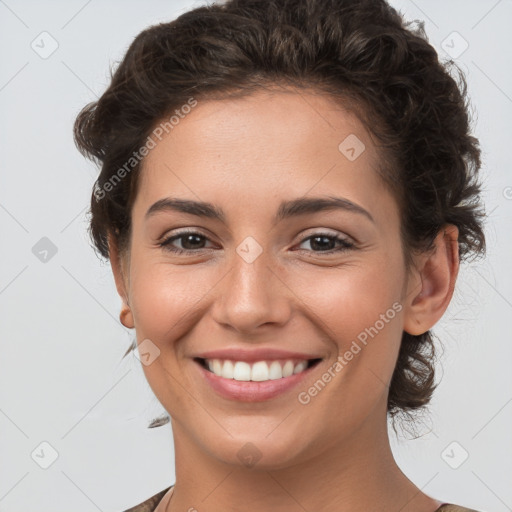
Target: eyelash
[{"x": 345, "y": 244}]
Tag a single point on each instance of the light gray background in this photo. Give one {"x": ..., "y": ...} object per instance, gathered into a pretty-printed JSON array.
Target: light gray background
[{"x": 61, "y": 376}]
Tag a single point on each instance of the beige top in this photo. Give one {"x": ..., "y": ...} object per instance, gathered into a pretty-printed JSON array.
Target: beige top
[{"x": 151, "y": 504}]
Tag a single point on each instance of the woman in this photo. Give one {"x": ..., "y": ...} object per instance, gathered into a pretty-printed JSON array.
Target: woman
[{"x": 287, "y": 190}]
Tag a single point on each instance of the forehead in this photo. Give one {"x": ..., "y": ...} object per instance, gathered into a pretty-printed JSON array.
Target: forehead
[{"x": 260, "y": 146}]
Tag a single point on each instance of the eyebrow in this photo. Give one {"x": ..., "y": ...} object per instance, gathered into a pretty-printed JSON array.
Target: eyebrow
[{"x": 287, "y": 209}]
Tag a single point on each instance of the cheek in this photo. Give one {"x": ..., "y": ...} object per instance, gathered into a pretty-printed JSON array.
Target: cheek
[
  {"x": 166, "y": 305},
  {"x": 165, "y": 297},
  {"x": 358, "y": 309},
  {"x": 352, "y": 297}
]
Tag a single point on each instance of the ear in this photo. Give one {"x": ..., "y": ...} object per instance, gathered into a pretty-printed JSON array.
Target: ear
[
  {"x": 430, "y": 287},
  {"x": 120, "y": 272}
]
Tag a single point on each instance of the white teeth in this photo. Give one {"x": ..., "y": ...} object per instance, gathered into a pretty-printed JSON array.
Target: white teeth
[
  {"x": 300, "y": 367},
  {"x": 225, "y": 370},
  {"x": 275, "y": 371},
  {"x": 242, "y": 371},
  {"x": 288, "y": 369},
  {"x": 259, "y": 371}
]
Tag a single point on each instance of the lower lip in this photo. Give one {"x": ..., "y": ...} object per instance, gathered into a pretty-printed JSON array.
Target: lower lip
[{"x": 252, "y": 391}]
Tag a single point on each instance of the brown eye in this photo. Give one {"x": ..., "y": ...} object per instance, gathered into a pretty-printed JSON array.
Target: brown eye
[
  {"x": 323, "y": 242},
  {"x": 191, "y": 241}
]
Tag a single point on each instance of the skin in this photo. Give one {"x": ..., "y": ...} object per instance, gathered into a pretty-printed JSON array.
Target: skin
[{"x": 246, "y": 156}]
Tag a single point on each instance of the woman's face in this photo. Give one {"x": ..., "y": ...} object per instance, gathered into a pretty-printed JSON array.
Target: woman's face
[{"x": 268, "y": 275}]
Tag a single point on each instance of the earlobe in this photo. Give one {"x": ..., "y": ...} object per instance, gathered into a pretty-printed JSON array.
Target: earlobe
[
  {"x": 437, "y": 273},
  {"x": 125, "y": 316}
]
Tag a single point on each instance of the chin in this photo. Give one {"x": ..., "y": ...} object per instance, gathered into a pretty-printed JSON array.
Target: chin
[{"x": 260, "y": 450}]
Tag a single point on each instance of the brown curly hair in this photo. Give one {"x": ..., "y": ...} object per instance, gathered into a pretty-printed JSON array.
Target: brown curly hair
[{"x": 362, "y": 53}]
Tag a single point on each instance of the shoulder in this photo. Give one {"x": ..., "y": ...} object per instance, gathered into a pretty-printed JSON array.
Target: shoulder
[
  {"x": 150, "y": 504},
  {"x": 450, "y": 507}
]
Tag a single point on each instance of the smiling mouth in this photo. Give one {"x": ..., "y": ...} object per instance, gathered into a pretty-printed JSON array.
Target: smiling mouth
[{"x": 258, "y": 371}]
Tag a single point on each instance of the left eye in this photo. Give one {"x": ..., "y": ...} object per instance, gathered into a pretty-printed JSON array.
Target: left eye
[
  {"x": 192, "y": 241},
  {"x": 323, "y": 239}
]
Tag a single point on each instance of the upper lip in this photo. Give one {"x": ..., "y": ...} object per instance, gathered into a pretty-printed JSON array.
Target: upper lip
[{"x": 251, "y": 355}]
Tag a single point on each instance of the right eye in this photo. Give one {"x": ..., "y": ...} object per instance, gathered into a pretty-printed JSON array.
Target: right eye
[{"x": 190, "y": 240}]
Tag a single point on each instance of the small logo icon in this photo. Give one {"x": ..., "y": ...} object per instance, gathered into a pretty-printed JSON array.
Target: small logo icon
[
  {"x": 44, "y": 455},
  {"x": 454, "y": 455},
  {"x": 44, "y": 45},
  {"x": 352, "y": 147},
  {"x": 44, "y": 250},
  {"x": 147, "y": 352},
  {"x": 249, "y": 249},
  {"x": 454, "y": 45},
  {"x": 249, "y": 455}
]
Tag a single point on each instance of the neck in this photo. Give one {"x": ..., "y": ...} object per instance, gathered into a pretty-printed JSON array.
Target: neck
[{"x": 357, "y": 473}]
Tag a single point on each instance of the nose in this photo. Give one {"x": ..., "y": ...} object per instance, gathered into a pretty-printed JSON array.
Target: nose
[{"x": 252, "y": 295}]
